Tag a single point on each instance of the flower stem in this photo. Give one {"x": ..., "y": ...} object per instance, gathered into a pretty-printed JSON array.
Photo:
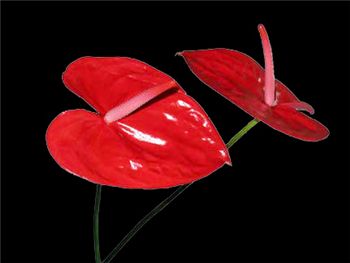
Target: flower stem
[
  {"x": 96, "y": 229},
  {"x": 144, "y": 220},
  {"x": 240, "y": 134},
  {"x": 168, "y": 200}
]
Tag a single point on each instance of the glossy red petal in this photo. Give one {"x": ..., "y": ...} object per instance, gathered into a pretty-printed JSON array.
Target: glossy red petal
[
  {"x": 106, "y": 82},
  {"x": 240, "y": 79},
  {"x": 168, "y": 142}
]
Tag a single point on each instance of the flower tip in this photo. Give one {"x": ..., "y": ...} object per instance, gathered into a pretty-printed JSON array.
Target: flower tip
[
  {"x": 310, "y": 110},
  {"x": 261, "y": 27},
  {"x": 300, "y": 106},
  {"x": 322, "y": 135},
  {"x": 227, "y": 157}
]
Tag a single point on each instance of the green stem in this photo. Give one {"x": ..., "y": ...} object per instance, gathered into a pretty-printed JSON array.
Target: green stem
[
  {"x": 240, "y": 134},
  {"x": 169, "y": 199},
  {"x": 144, "y": 220},
  {"x": 96, "y": 230}
]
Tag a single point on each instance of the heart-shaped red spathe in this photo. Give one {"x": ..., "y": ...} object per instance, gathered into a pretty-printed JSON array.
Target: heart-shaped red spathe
[
  {"x": 240, "y": 79},
  {"x": 162, "y": 141}
]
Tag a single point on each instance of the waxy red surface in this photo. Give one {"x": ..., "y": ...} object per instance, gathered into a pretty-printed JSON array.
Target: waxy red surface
[
  {"x": 240, "y": 79},
  {"x": 155, "y": 136}
]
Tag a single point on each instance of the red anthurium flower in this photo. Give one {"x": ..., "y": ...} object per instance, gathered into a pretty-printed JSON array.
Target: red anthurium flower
[
  {"x": 147, "y": 133},
  {"x": 245, "y": 83}
]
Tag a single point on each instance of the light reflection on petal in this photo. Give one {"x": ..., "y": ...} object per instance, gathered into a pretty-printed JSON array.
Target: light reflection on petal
[
  {"x": 141, "y": 136},
  {"x": 183, "y": 104},
  {"x": 135, "y": 165},
  {"x": 207, "y": 139},
  {"x": 223, "y": 153},
  {"x": 197, "y": 116},
  {"x": 170, "y": 117}
]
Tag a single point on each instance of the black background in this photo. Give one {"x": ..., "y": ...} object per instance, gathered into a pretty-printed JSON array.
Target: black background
[{"x": 283, "y": 200}]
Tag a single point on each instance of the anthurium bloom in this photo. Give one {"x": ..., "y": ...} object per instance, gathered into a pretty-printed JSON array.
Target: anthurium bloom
[
  {"x": 240, "y": 79},
  {"x": 147, "y": 133}
]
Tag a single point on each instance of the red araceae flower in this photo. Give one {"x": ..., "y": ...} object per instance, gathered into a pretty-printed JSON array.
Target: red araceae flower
[
  {"x": 147, "y": 133},
  {"x": 240, "y": 79}
]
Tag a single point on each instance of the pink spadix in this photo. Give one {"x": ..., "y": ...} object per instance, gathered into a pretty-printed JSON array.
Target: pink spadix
[
  {"x": 269, "y": 88},
  {"x": 136, "y": 102},
  {"x": 270, "y": 84}
]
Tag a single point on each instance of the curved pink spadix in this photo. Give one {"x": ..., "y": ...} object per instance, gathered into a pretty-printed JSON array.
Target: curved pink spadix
[
  {"x": 240, "y": 79},
  {"x": 147, "y": 133},
  {"x": 269, "y": 87},
  {"x": 136, "y": 102}
]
